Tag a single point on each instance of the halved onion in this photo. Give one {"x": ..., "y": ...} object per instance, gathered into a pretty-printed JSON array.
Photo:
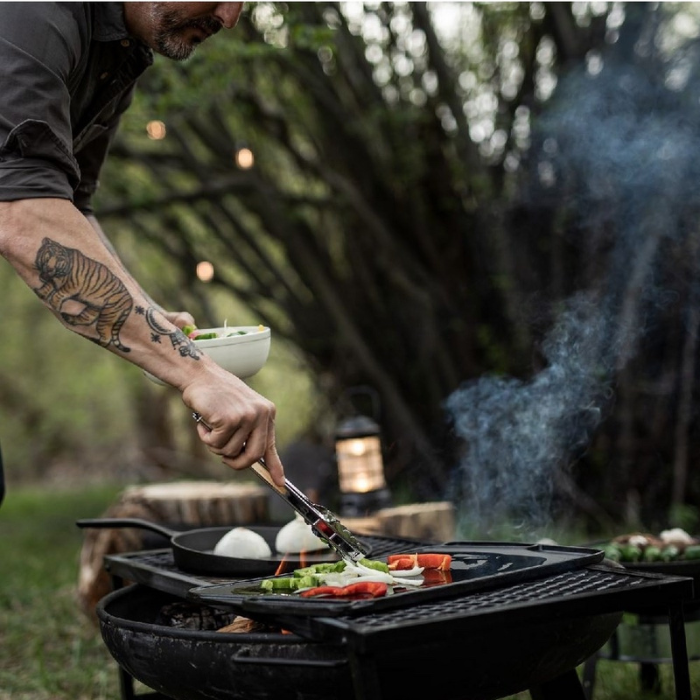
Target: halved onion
[
  {"x": 297, "y": 536},
  {"x": 242, "y": 543}
]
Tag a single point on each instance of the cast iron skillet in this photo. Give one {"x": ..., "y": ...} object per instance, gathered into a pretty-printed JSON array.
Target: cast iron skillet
[{"x": 193, "y": 549}]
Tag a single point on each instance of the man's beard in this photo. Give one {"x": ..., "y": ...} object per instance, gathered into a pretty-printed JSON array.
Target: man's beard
[{"x": 169, "y": 38}]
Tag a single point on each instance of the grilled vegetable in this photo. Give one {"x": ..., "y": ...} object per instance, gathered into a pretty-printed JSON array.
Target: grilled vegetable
[
  {"x": 324, "y": 568},
  {"x": 630, "y": 553},
  {"x": 362, "y": 589},
  {"x": 289, "y": 583},
  {"x": 612, "y": 552},
  {"x": 338, "y": 578},
  {"x": 670, "y": 553},
  {"x": 671, "y": 545},
  {"x": 652, "y": 553},
  {"x": 374, "y": 564},
  {"x": 427, "y": 561}
]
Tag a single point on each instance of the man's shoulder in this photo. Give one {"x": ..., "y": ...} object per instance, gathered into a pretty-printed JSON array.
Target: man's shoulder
[
  {"x": 46, "y": 11},
  {"x": 27, "y": 20},
  {"x": 103, "y": 21}
]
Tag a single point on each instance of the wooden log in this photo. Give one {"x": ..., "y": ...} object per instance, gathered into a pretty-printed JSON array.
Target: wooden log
[
  {"x": 202, "y": 503},
  {"x": 433, "y": 522},
  {"x": 177, "y": 504}
]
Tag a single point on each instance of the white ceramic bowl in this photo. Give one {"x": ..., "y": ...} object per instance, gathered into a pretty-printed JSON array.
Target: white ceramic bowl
[{"x": 241, "y": 350}]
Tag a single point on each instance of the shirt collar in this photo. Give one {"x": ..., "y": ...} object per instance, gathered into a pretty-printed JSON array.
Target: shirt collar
[{"x": 109, "y": 21}]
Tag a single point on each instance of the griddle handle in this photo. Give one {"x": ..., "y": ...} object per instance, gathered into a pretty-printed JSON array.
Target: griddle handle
[{"x": 126, "y": 522}]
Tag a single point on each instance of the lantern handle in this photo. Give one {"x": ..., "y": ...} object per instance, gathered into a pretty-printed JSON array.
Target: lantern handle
[{"x": 365, "y": 389}]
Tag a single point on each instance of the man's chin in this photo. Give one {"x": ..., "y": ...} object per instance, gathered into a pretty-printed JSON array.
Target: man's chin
[{"x": 176, "y": 49}]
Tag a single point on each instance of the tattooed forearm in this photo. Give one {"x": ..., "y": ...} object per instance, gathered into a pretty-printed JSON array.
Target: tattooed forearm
[
  {"x": 102, "y": 299},
  {"x": 179, "y": 341}
]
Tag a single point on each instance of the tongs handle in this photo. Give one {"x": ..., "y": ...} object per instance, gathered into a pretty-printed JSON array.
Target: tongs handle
[{"x": 290, "y": 493}]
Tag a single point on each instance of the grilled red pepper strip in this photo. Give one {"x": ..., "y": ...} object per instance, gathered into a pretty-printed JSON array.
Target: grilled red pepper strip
[
  {"x": 435, "y": 577},
  {"x": 397, "y": 562},
  {"x": 362, "y": 589}
]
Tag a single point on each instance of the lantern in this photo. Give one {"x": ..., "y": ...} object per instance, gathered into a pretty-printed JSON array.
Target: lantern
[{"x": 358, "y": 451}]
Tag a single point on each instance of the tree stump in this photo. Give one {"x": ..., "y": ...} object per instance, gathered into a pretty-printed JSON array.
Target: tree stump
[
  {"x": 178, "y": 505},
  {"x": 424, "y": 521}
]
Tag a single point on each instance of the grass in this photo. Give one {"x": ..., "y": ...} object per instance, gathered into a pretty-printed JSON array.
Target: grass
[{"x": 50, "y": 651}]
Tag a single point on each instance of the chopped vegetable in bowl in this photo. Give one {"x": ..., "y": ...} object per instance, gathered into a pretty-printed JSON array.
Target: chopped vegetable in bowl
[
  {"x": 669, "y": 546},
  {"x": 194, "y": 333}
]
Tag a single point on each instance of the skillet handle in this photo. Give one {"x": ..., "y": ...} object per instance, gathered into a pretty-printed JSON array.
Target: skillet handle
[{"x": 126, "y": 522}]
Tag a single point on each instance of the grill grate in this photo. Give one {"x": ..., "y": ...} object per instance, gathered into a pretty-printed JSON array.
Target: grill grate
[
  {"x": 571, "y": 594},
  {"x": 571, "y": 583},
  {"x": 577, "y": 583},
  {"x": 527, "y": 612}
]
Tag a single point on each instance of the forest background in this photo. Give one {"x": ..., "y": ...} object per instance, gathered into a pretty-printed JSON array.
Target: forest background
[{"x": 475, "y": 222}]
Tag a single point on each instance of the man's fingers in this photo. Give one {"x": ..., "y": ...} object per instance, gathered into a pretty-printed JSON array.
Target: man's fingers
[
  {"x": 274, "y": 466},
  {"x": 272, "y": 462},
  {"x": 224, "y": 444},
  {"x": 180, "y": 318},
  {"x": 241, "y": 432}
]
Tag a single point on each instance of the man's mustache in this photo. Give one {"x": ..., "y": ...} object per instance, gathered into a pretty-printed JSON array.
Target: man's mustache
[{"x": 206, "y": 24}]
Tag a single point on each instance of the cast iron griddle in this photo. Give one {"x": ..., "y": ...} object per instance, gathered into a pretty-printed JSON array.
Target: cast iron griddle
[{"x": 476, "y": 566}]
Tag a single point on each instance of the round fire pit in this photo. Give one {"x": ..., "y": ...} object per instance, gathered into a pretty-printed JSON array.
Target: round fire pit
[{"x": 186, "y": 664}]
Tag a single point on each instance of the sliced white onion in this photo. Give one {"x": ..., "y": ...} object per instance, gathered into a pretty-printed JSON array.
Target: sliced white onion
[
  {"x": 408, "y": 582},
  {"x": 407, "y": 573},
  {"x": 359, "y": 569}
]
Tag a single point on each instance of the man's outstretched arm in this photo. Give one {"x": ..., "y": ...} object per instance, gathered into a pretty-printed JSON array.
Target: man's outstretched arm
[{"x": 56, "y": 251}]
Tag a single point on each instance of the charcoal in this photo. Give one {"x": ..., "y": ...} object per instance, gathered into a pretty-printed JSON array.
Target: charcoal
[{"x": 190, "y": 616}]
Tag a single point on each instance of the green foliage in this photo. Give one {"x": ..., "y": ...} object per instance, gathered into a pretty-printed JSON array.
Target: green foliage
[
  {"x": 52, "y": 410},
  {"x": 409, "y": 223}
]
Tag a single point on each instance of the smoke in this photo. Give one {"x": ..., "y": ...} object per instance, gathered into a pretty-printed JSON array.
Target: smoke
[
  {"x": 620, "y": 152},
  {"x": 519, "y": 433}
]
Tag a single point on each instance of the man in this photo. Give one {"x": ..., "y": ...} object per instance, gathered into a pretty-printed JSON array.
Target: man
[{"x": 67, "y": 75}]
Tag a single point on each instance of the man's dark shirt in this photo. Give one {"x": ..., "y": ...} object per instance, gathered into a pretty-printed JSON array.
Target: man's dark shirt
[{"x": 68, "y": 72}]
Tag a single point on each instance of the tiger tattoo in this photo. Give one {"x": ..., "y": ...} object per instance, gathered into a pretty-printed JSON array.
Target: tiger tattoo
[{"x": 68, "y": 275}]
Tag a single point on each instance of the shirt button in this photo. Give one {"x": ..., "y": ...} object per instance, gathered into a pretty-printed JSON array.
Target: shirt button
[
  {"x": 125, "y": 43},
  {"x": 104, "y": 76}
]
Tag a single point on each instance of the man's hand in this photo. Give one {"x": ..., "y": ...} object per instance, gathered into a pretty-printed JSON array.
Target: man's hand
[{"x": 240, "y": 424}]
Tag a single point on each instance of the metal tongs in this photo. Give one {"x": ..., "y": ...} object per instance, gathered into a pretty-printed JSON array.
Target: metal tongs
[{"x": 323, "y": 522}]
